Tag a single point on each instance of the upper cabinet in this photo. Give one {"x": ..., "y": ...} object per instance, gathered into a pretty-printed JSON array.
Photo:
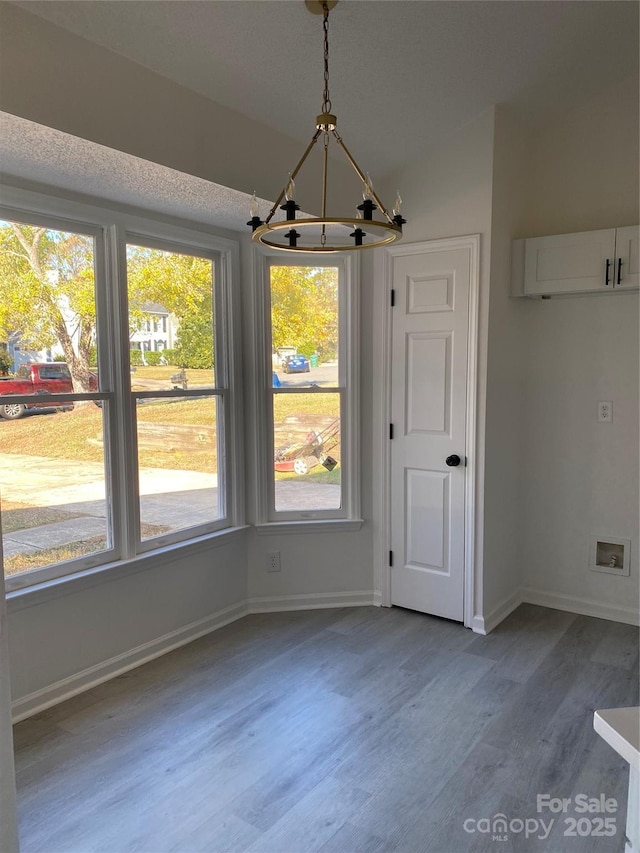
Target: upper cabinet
[{"x": 588, "y": 262}]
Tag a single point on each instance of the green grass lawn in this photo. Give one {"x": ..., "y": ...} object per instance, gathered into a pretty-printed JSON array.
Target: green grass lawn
[
  {"x": 77, "y": 435},
  {"x": 19, "y": 516},
  {"x": 48, "y": 556},
  {"x": 166, "y": 371}
]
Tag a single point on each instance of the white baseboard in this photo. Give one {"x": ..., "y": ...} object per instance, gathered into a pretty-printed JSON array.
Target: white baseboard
[
  {"x": 584, "y": 606},
  {"x": 527, "y": 595},
  {"x": 485, "y": 624},
  {"x": 88, "y": 678},
  {"x": 311, "y": 601}
]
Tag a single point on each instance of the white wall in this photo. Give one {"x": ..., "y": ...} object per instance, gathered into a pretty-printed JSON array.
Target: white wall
[
  {"x": 447, "y": 194},
  {"x": 63, "y": 640},
  {"x": 60, "y": 80},
  {"x": 583, "y": 171},
  {"x": 581, "y": 477}
]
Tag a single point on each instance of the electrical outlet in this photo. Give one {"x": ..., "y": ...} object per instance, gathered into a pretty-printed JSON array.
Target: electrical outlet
[
  {"x": 273, "y": 561},
  {"x": 605, "y": 412}
]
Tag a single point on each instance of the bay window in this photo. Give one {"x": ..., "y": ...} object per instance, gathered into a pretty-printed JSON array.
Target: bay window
[{"x": 118, "y": 427}]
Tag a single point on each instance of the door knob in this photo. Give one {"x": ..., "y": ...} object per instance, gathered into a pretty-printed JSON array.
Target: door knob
[{"x": 452, "y": 461}]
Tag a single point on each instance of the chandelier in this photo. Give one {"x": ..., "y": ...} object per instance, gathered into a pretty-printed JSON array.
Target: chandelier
[{"x": 324, "y": 233}]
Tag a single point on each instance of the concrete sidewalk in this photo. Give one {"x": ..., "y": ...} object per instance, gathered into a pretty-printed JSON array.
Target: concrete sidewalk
[{"x": 172, "y": 499}]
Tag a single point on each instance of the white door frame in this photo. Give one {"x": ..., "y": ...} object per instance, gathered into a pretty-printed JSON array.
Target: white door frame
[{"x": 382, "y": 414}]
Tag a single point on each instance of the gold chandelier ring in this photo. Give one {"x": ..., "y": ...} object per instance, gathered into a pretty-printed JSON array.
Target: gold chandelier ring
[{"x": 391, "y": 233}]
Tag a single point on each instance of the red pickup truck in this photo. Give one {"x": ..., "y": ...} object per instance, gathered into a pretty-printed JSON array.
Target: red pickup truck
[{"x": 46, "y": 378}]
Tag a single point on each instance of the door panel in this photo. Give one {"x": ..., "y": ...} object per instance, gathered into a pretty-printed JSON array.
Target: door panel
[
  {"x": 429, "y": 294},
  {"x": 430, "y": 334},
  {"x": 427, "y": 499},
  {"x": 428, "y": 383},
  {"x": 627, "y": 251},
  {"x": 569, "y": 263}
]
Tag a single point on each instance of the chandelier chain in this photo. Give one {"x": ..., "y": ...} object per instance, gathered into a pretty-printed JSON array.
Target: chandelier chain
[{"x": 326, "y": 100}]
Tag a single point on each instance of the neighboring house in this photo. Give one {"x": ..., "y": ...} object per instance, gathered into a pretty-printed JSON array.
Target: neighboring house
[
  {"x": 157, "y": 332},
  {"x": 22, "y": 355}
]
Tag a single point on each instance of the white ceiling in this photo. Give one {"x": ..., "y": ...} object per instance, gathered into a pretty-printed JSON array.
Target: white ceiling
[{"x": 405, "y": 74}]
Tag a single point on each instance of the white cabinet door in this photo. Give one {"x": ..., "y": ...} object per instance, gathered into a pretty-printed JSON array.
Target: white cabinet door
[
  {"x": 570, "y": 263},
  {"x": 627, "y": 268}
]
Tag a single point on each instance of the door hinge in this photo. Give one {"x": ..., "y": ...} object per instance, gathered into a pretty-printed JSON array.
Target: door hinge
[
  {"x": 391, "y": 558},
  {"x": 391, "y": 431},
  {"x": 393, "y": 297}
]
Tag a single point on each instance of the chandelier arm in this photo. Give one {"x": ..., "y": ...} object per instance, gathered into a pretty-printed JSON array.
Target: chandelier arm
[
  {"x": 325, "y": 172},
  {"x": 362, "y": 176},
  {"x": 314, "y": 139}
]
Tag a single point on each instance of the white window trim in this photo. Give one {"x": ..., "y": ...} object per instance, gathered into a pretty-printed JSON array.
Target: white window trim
[
  {"x": 132, "y": 524},
  {"x": 348, "y": 517},
  {"x": 112, "y": 228}
]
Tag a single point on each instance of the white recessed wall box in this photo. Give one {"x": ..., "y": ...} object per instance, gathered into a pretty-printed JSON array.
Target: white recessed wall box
[{"x": 609, "y": 554}]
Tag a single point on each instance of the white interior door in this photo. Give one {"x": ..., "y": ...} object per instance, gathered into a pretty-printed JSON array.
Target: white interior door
[{"x": 430, "y": 340}]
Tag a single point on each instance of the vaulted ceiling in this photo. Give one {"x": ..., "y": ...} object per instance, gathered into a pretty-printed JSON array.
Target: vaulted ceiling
[{"x": 404, "y": 75}]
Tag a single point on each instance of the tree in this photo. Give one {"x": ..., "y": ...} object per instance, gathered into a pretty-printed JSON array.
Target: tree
[
  {"x": 47, "y": 292},
  {"x": 6, "y": 362},
  {"x": 183, "y": 285},
  {"x": 304, "y": 309},
  {"x": 194, "y": 347}
]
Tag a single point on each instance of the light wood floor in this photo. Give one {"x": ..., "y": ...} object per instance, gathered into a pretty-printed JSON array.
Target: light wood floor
[{"x": 360, "y": 729}]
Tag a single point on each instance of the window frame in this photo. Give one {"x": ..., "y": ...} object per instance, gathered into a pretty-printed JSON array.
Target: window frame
[
  {"x": 112, "y": 229},
  {"x": 347, "y": 517},
  {"x": 219, "y": 391}
]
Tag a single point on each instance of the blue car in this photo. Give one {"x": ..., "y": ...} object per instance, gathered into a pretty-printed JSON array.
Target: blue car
[{"x": 296, "y": 364}]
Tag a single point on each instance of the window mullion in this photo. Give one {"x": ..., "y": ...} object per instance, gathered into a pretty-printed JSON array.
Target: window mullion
[{"x": 124, "y": 434}]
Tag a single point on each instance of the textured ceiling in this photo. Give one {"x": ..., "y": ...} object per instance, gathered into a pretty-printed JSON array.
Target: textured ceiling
[
  {"x": 41, "y": 155},
  {"x": 404, "y": 75}
]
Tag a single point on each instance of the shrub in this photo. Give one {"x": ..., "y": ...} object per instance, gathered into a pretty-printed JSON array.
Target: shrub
[
  {"x": 6, "y": 363},
  {"x": 135, "y": 357},
  {"x": 171, "y": 356},
  {"x": 195, "y": 341},
  {"x": 153, "y": 358}
]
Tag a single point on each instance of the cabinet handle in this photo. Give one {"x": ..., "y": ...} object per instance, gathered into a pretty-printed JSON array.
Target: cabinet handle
[
  {"x": 606, "y": 273},
  {"x": 619, "y": 276}
]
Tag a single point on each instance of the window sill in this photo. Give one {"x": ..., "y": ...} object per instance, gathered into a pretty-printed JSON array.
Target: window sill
[
  {"x": 39, "y": 593},
  {"x": 334, "y": 525}
]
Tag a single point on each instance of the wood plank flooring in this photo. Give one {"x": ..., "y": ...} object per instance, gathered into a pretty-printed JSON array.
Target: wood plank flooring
[{"x": 361, "y": 729}]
